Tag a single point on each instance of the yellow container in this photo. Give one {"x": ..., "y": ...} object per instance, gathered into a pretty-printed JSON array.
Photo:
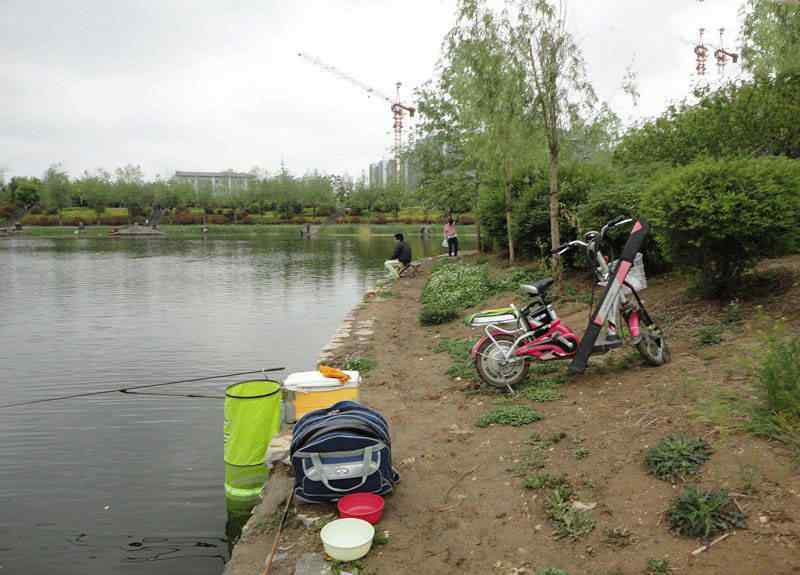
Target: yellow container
[{"x": 310, "y": 390}]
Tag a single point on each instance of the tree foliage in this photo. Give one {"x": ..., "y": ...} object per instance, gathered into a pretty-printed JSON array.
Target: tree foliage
[
  {"x": 556, "y": 79},
  {"x": 748, "y": 118},
  {"x": 484, "y": 79},
  {"x": 771, "y": 38}
]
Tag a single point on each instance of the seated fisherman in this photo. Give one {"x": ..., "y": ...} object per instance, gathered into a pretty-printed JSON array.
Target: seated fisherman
[{"x": 400, "y": 258}]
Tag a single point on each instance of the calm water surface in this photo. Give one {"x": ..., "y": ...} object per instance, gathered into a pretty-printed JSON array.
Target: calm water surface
[{"x": 134, "y": 484}]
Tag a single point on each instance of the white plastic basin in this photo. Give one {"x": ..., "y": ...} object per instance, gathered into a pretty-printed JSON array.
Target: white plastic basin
[{"x": 347, "y": 539}]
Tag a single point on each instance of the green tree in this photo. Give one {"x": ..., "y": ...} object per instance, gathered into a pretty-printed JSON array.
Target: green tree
[
  {"x": 56, "y": 189},
  {"x": 449, "y": 179},
  {"x": 771, "y": 37},
  {"x": 25, "y": 192},
  {"x": 752, "y": 118},
  {"x": 557, "y": 81},
  {"x": 95, "y": 190},
  {"x": 485, "y": 79},
  {"x": 129, "y": 189}
]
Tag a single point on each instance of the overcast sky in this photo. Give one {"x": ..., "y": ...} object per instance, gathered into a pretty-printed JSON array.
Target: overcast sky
[{"x": 217, "y": 84}]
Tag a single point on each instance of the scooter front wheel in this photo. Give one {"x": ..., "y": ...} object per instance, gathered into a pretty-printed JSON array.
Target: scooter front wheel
[
  {"x": 653, "y": 346},
  {"x": 493, "y": 367}
]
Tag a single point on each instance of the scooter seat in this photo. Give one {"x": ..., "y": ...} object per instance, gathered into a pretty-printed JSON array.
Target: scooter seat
[{"x": 539, "y": 287}]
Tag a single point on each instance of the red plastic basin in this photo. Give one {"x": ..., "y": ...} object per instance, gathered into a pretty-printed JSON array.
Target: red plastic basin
[{"x": 366, "y": 506}]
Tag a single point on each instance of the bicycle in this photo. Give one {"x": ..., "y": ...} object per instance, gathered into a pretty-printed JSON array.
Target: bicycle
[{"x": 515, "y": 337}]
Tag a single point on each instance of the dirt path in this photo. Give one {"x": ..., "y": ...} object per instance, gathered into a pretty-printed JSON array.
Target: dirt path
[{"x": 462, "y": 508}]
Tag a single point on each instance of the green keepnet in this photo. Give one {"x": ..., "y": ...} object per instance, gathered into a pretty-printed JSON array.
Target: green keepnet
[
  {"x": 252, "y": 418},
  {"x": 245, "y": 482}
]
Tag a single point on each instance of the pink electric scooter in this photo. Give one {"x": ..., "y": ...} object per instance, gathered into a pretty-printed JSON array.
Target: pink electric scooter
[{"x": 515, "y": 337}]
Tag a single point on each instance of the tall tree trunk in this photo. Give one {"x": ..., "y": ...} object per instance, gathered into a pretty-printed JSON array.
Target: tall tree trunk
[
  {"x": 555, "y": 228},
  {"x": 477, "y": 216},
  {"x": 508, "y": 173}
]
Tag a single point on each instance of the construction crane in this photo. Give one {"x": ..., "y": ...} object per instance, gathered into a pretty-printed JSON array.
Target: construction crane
[{"x": 397, "y": 108}]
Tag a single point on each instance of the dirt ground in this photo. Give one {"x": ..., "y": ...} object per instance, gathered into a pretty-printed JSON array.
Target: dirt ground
[{"x": 461, "y": 508}]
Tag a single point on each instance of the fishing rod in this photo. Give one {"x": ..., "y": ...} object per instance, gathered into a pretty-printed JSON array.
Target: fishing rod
[{"x": 130, "y": 389}]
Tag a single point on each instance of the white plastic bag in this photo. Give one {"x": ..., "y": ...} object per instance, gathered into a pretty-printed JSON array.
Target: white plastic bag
[{"x": 444, "y": 243}]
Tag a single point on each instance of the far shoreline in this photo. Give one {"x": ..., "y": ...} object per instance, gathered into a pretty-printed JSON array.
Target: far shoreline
[{"x": 243, "y": 230}]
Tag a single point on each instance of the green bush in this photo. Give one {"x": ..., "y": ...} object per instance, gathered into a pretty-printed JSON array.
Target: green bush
[
  {"x": 721, "y": 217},
  {"x": 623, "y": 199},
  {"x": 430, "y": 315},
  {"x": 700, "y": 513},
  {"x": 452, "y": 287},
  {"x": 530, "y": 209}
]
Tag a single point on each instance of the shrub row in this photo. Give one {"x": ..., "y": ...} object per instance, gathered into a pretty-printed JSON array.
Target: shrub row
[{"x": 716, "y": 216}]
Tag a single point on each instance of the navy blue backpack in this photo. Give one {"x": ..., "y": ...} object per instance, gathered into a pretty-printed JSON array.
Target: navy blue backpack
[{"x": 343, "y": 449}]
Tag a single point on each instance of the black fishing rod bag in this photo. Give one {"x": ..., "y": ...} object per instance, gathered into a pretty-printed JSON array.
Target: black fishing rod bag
[{"x": 343, "y": 449}]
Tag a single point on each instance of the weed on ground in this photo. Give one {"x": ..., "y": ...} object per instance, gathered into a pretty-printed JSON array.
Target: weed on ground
[
  {"x": 536, "y": 440},
  {"x": 777, "y": 380},
  {"x": 700, "y": 513},
  {"x": 514, "y": 415},
  {"x": 545, "y": 481},
  {"x": 709, "y": 334},
  {"x": 352, "y": 567},
  {"x": 676, "y": 457},
  {"x": 458, "y": 349},
  {"x": 619, "y": 537},
  {"x": 359, "y": 364},
  {"x": 567, "y": 521},
  {"x": 657, "y": 567},
  {"x": 542, "y": 389},
  {"x": 527, "y": 462},
  {"x": 581, "y": 453}
]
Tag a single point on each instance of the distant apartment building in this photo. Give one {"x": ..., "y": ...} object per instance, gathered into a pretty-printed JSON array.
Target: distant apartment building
[
  {"x": 382, "y": 173},
  {"x": 220, "y": 183}
]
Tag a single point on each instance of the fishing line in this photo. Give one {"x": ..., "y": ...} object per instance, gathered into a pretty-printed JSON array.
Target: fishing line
[
  {"x": 128, "y": 389},
  {"x": 161, "y": 394}
]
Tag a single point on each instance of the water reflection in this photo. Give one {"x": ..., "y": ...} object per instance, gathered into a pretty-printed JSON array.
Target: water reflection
[{"x": 133, "y": 484}]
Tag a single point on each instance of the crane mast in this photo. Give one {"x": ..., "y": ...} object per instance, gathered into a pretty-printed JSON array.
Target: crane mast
[{"x": 397, "y": 108}]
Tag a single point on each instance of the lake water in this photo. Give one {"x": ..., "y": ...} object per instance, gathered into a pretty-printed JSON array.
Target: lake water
[{"x": 134, "y": 484}]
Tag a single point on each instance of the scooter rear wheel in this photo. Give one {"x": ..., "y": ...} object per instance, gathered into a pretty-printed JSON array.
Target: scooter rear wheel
[{"x": 492, "y": 366}]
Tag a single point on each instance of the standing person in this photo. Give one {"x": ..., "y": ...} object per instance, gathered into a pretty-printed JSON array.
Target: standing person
[
  {"x": 400, "y": 258},
  {"x": 451, "y": 236}
]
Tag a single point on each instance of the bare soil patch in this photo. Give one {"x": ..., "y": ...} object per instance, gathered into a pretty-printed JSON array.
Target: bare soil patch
[{"x": 462, "y": 506}]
